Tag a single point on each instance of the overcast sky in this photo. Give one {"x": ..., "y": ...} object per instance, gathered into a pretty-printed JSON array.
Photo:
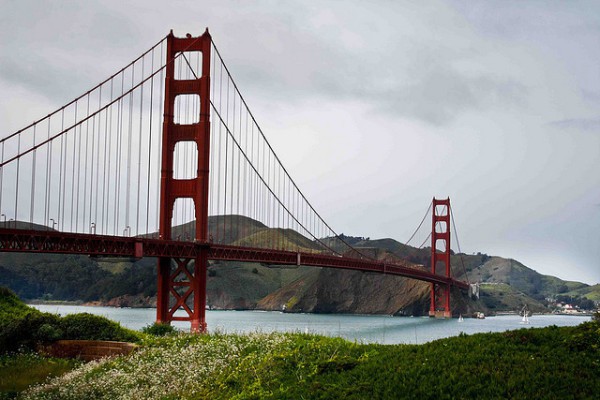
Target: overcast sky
[{"x": 375, "y": 107}]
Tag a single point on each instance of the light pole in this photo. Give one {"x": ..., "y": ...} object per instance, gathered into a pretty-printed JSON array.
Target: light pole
[
  {"x": 93, "y": 228},
  {"x": 53, "y": 223},
  {"x": 127, "y": 231}
]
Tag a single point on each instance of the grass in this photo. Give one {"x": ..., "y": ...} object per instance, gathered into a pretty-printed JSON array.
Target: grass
[
  {"x": 502, "y": 296},
  {"x": 21, "y": 370},
  {"x": 590, "y": 292},
  {"x": 553, "y": 363}
]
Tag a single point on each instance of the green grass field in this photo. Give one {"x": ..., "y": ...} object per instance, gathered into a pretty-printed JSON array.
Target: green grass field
[
  {"x": 549, "y": 363},
  {"x": 19, "y": 371}
]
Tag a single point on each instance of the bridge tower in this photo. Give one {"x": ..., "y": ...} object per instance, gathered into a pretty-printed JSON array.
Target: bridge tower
[
  {"x": 182, "y": 281},
  {"x": 440, "y": 258}
]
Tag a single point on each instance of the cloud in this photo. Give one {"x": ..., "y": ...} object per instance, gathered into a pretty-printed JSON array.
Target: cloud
[
  {"x": 66, "y": 51},
  {"x": 391, "y": 102},
  {"x": 580, "y": 124},
  {"x": 402, "y": 71}
]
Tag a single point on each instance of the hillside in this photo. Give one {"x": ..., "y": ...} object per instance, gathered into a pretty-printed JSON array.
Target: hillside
[{"x": 507, "y": 285}]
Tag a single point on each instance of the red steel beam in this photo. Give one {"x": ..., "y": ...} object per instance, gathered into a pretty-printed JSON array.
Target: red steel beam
[{"x": 26, "y": 241}]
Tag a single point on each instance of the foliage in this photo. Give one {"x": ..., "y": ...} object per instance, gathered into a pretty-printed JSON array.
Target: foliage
[
  {"x": 596, "y": 316},
  {"x": 586, "y": 337},
  {"x": 71, "y": 277},
  {"x": 528, "y": 363},
  {"x": 25, "y": 327},
  {"x": 157, "y": 329},
  {"x": 22, "y": 326},
  {"x": 20, "y": 370},
  {"x": 92, "y": 327}
]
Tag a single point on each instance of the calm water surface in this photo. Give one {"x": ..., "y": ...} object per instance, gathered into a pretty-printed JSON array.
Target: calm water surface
[{"x": 363, "y": 328}]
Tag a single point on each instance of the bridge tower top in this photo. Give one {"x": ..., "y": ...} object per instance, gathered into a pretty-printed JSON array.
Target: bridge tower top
[{"x": 175, "y": 132}]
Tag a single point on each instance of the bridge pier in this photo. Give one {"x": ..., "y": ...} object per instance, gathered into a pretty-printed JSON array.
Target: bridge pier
[
  {"x": 440, "y": 301},
  {"x": 182, "y": 285}
]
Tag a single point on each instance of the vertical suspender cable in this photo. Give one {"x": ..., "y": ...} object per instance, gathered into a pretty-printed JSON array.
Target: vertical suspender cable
[
  {"x": 47, "y": 186},
  {"x": 139, "y": 157},
  {"x": 159, "y": 163},
  {"x": 94, "y": 197},
  {"x": 32, "y": 182},
  {"x": 17, "y": 182},
  {"x": 117, "y": 206},
  {"x": 129, "y": 154},
  {"x": 226, "y": 168},
  {"x": 149, "y": 145},
  {"x": 107, "y": 165},
  {"x": 62, "y": 175}
]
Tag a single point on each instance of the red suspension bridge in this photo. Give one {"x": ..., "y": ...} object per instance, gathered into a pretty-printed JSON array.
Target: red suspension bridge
[{"x": 164, "y": 159}]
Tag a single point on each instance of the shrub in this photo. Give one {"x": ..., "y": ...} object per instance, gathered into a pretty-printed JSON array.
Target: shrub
[
  {"x": 586, "y": 337},
  {"x": 24, "y": 327},
  {"x": 158, "y": 329},
  {"x": 49, "y": 333},
  {"x": 86, "y": 326},
  {"x": 23, "y": 331}
]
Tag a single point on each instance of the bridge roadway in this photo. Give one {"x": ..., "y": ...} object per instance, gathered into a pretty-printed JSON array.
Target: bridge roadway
[{"x": 35, "y": 241}]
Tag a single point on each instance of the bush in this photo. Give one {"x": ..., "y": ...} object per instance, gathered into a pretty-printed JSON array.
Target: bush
[
  {"x": 24, "y": 327},
  {"x": 49, "y": 333},
  {"x": 86, "y": 326},
  {"x": 23, "y": 331},
  {"x": 586, "y": 337},
  {"x": 158, "y": 329}
]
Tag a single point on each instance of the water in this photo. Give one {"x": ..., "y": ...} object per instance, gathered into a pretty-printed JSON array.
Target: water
[{"x": 362, "y": 328}]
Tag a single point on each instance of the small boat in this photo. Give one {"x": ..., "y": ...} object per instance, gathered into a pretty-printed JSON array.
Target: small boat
[
  {"x": 479, "y": 315},
  {"x": 525, "y": 312},
  {"x": 460, "y": 318}
]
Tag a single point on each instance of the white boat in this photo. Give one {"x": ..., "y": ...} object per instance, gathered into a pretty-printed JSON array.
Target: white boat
[
  {"x": 460, "y": 318},
  {"x": 525, "y": 312}
]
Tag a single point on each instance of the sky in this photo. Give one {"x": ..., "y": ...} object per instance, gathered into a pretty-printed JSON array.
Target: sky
[{"x": 375, "y": 107}]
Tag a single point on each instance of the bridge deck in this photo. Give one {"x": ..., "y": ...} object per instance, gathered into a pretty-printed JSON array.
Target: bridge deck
[{"x": 31, "y": 241}]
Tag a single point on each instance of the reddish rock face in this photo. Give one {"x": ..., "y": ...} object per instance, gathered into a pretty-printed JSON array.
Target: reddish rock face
[{"x": 353, "y": 292}]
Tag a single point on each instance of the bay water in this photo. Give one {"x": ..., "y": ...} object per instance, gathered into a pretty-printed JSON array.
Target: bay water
[{"x": 361, "y": 328}]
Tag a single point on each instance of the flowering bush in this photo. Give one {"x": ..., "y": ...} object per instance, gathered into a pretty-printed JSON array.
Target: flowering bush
[
  {"x": 158, "y": 329},
  {"x": 175, "y": 367},
  {"x": 563, "y": 363}
]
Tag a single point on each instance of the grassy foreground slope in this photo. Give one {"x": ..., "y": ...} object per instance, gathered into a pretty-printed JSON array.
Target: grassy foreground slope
[
  {"x": 552, "y": 363},
  {"x": 23, "y": 327}
]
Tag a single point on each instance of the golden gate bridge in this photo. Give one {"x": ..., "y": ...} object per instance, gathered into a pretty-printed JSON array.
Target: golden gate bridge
[{"x": 165, "y": 159}]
